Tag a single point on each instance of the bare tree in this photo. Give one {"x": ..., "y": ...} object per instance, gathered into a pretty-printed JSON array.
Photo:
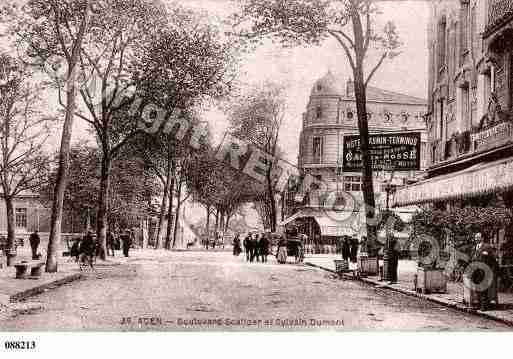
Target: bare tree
[
  {"x": 352, "y": 23},
  {"x": 257, "y": 116},
  {"x": 51, "y": 35},
  {"x": 23, "y": 133}
]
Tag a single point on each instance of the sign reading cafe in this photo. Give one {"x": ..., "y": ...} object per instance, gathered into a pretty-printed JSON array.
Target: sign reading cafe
[{"x": 400, "y": 151}]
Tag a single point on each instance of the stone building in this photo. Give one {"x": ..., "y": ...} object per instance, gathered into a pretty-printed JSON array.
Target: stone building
[
  {"x": 469, "y": 107},
  {"x": 330, "y": 115}
]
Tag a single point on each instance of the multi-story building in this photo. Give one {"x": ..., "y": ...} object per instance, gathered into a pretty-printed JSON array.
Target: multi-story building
[
  {"x": 469, "y": 107},
  {"x": 330, "y": 115}
]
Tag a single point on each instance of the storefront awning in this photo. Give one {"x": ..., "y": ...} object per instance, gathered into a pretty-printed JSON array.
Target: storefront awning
[
  {"x": 471, "y": 182},
  {"x": 331, "y": 223}
]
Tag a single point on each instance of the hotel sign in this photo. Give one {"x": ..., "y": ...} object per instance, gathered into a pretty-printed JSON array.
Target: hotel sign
[{"x": 400, "y": 151}]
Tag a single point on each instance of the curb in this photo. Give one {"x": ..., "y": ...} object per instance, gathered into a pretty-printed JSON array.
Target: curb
[
  {"x": 41, "y": 288},
  {"x": 412, "y": 293}
]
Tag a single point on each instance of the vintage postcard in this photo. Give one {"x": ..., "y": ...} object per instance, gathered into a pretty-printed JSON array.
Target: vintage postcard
[{"x": 255, "y": 166}]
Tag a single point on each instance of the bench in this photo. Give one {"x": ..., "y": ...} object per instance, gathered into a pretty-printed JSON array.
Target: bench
[{"x": 35, "y": 269}]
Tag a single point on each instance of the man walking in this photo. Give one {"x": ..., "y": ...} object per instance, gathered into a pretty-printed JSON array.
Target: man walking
[
  {"x": 111, "y": 243},
  {"x": 264, "y": 247},
  {"x": 247, "y": 247},
  {"x": 126, "y": 242},
  {"x": 256, "y": 247},
  {"x": 34, "y": 244},
  {"x": 394, "y": 258}
]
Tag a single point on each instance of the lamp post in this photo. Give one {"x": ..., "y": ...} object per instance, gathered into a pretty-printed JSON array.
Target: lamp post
[{"x": 389, "y": 266}]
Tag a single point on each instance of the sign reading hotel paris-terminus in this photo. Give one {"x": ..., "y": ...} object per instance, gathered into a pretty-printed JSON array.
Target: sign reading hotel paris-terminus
[{"x": 400, "y": 151}]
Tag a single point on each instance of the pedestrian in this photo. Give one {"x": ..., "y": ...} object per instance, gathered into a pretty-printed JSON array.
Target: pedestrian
[
  {"x": 394, "y": 258},
  {"x": 364, "y": 246},
  {"x": 485, "y": 281},
  {"x": 264, "y": 247},
  {"x": 111, "y": 243},
  {"x": 346, "y": 248},
  {"x": 126, "y": 242},
  {"x": 281, "y": 254},
  {"x": 354, "y": 249},
  {"x": 256, "y": 247},
  {"x": 247, "y": 247},
  {"x": 236, "y": 245},
  {"x": 34, "y": 244},
  {"x": 87, "y": 249}
]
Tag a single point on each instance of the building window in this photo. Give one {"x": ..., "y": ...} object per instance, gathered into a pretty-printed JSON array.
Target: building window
[
  {"x": 388, "y": 116},
  {"x": 442, "y": 32},
  {"x": 21, "y": 218},
  {"x": 319, "y": 87},
  {"x": 369, "y": 116},
  {"x": 441, "y": 123},
  {"x": 352, "y": 183},
  {"x": 317, "y": 149},
  {"x": 465, "y": 107},
  {"x": 349, "y": 115},
  {"x": 464, "y": 27},
  {"x": 404, "y": 116},
  {"x": 318, "y": 112}
]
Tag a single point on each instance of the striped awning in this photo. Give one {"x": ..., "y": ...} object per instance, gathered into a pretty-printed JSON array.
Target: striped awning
[
  {"x": 331, "y": 223},
  {"x": 471, "y": 182}
]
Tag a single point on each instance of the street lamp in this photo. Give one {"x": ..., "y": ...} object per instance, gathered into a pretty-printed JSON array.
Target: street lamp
[{"x": 389, "y": 265}]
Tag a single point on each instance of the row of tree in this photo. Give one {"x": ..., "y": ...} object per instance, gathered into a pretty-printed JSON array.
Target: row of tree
[
  {"x": 106, "y": 61},
  {"x": 113, "y": 63}
]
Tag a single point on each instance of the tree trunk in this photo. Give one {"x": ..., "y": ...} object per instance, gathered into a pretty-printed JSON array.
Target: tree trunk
[
  {"x": 177, "y": 212},
  {"x": 144, "y": 233},
  {"x": 11, "y": 228},
  {"x": 162, "y": 216},
  {"x": 162, "y": 221},
  {"x": 207, "y": 237},
  {"x": 170, "y": 211},
  {"x": 103, "y": 198},
  {"x": 363, "y": 128},
  {"x": 54, "y": 239},
  {"x": 228, "y": 217},
  {"x": 271, "y": 202},
  {"x": 217, "y": 225}
]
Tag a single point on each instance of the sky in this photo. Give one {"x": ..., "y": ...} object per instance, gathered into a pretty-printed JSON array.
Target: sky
[{"x": 300, "y": 67}]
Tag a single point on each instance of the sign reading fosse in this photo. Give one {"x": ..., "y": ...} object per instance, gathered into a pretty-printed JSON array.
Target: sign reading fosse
[{"x": 400, "y": 151}]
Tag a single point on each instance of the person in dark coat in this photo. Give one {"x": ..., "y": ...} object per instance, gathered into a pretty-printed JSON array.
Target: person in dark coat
[
  {"x": 346, "y": 248},
  {"x": 88, "y": 249},
  {"x": 111, "y": 243},
  {"x": 394, "y": 258},
  {"x": 34, "y": 244},
  {"x": 236, "y": 245},
  {"x": 264, "y": 247},
  {"x": 281, "y": 254},
  {"x": 126, "y": 240},
  {"x": 486, "y": 287},
  {"x": 247, "y": 247},
  {"x": 256, "y": 247},
  {"x": 354, "y": 249}
]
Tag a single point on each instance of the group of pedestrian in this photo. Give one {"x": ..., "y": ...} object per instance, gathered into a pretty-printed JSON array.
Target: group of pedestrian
[
  {"x": 124, "y": 241},
  {"x": 256, "y": 246},
  {"x": 349, "y": 248}
]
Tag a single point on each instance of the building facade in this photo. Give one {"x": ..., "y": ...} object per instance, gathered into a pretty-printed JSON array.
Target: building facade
[
  {"x": 330, "y": 115},
  {"x": 470, "y": 132}
]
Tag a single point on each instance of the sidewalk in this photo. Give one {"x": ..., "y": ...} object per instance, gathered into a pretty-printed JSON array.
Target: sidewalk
[
  {"x": 13, "y": 290},
  {"x": 406, "y": 271}
]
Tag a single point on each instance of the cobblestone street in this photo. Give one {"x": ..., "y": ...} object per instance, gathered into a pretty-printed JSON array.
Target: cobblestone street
[{"x": 156, "y": 290}]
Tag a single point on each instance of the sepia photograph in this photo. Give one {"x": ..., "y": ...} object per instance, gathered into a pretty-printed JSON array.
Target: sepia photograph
[{"x": 255, "y": 166}]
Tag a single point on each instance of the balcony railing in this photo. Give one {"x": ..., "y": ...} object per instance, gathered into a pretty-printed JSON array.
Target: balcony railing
[
  {"x": 475, "y": 141},
  {"x": 498, "y": 10}
]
